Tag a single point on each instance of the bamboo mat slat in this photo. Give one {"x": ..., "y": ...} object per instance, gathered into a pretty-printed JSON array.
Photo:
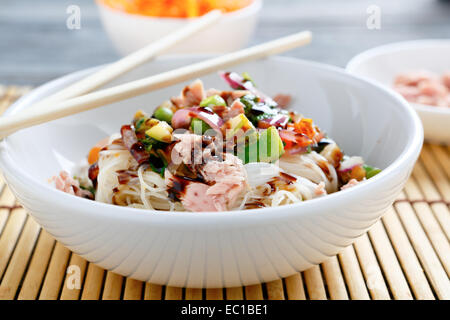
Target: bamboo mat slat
[
  {"x": 392, "y": 271},
  {"x": 153, "y": 291},
  {"x": 294, "y": 287},
  {"x": 405, "y": 255},
  {"x": 112, "y": 286},
  {"x": 314, "y": 284},
  {"x": 353, "y": 275},
  {"x": 371, "y": 270},
  {"x": 92, "y": 286},
  {"x": 194, "y": 294},
  {"x": 334, "y": 279}
]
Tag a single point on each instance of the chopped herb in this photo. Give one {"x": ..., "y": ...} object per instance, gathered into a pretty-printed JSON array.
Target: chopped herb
[
  {"x": 90, "y": 189},
  {"x": 139, "y": 123},
  {"x": 150, "y": 143},
  {"x": 249, "y": 101},
  {"x": 157, "y": 165},
  {"x": 259, "y": 117},
  {"x": 256, "y": 110},
  {"x": 247, "y": 77}
]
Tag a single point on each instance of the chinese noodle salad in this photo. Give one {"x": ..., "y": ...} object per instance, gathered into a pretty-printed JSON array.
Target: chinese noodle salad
[{"x": 212, "y": 150}]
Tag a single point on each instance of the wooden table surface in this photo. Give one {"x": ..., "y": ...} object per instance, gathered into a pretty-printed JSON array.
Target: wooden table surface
[{"x": 36, "y": 46}]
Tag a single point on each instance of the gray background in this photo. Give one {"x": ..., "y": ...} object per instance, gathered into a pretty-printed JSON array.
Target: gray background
[{"x": 36, "y": 46}]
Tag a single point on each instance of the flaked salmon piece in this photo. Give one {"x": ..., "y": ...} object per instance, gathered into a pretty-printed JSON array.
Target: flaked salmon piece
[
  {"x": 69, "y": 185},
  {"x": 433, "y": 89},
  {"x": 351, "y": 183},
  {"x": 191, "y": 194},
  {"x": 237, "y": 107},
  {"x": 424, "y": 87},
  {"x": 283, "y": 100},
  {"x": 237, "y": 94},
  {"x": 191, "y": 95},
  {"x": 227, "y": 95},
  {"x": 219, "y": 181},
  {"x": 226, "y": 113},
  {"x": 413, "y": 78},
  {"x": 229, "y": 178},
  {"x": 410, "y": 93},
  {"x": 213, "y": 92},
  {"x": 446, "y": 79},
  {"x": 188, "y": 149},
  {"x": 197, "y": 199}
]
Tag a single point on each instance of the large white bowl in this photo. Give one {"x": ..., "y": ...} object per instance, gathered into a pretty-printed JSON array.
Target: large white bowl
[
  {"x": 216, "y": 249},
  {"x": 383, "y": 63},
  {"x": 130, "y": 32}
]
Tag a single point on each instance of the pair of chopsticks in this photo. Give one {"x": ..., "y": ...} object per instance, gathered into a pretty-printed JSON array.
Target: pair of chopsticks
[{"x": 76, "y": 98}]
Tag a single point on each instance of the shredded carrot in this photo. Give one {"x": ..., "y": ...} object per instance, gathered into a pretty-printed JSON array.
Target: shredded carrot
[
  {"x": 192, "y": 8},
  {"x": 94, "y": 152},
  {"x": 93, "y": 155},
  {"x": 175, "y": 8},
  {"x": 305, "y": 126}
]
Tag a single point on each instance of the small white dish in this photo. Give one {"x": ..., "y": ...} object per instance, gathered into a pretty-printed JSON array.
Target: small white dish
[
  {"x": 130, "y": 32},
  {"x": 383, "y": 63},
  {"x": 218, "y": 249}
]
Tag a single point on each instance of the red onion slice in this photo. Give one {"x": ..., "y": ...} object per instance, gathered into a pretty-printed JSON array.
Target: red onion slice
[
  {"x": 350, "y": 163},
  {"x": 237, "y": 82},
  {"x": 133, "y": 145},
  {"x": 280, "y": 120},
  {"x": 296, "y": 150},
  {"x": 295, "y": 137},
  {"x": 93, "y": 173},
  {"x": 182, "y": 118}
]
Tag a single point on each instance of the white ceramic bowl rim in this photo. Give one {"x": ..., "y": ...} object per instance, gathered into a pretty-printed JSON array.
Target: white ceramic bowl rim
[
  {"x": 401, "y": 46},
  {"x": 408, "y": 154},
  {"x": 252, "y": 7}
]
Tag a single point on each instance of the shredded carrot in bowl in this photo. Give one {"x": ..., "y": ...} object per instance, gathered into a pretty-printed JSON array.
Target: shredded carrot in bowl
[{"x": 175, "y": 8}]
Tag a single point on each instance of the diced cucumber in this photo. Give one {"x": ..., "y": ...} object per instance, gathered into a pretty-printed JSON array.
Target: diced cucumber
[
  {"x": 197, "y": 124},
  {"x": 240, "y": 122},
  {"x": 214, "y": 100},
  {"x": 270, "y": 145},
  {"x": 161, "y": 132}
]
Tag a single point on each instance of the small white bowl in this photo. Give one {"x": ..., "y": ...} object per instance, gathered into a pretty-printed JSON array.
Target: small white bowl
[
  {"x": 217, "y": 249},
  {"x": 130, "y": 32},
  {"x": 383, "y": 63}
]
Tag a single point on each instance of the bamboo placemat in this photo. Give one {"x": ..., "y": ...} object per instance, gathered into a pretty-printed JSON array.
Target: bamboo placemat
[{"x": 406, "y": 255}]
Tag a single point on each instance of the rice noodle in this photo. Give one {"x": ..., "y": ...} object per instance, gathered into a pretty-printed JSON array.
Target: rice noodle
[
  {"x": 311, "y": 166},
  {"x": 148, "y": 165},
  {"x": 147, "y": 190},
  {"x": 268, "y": 190},
  {"x": 109, "y": 162}
]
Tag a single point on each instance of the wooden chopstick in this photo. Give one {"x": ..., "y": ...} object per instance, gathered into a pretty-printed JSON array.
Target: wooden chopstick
[
  {"x": 52, "y": 111},
  {"x": 128, "y": 63}
]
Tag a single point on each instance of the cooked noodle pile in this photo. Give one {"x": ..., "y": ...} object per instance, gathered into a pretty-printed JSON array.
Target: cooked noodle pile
[
  {"x": 215, "y": 151},
  {"x": 144, "y": 188}
]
